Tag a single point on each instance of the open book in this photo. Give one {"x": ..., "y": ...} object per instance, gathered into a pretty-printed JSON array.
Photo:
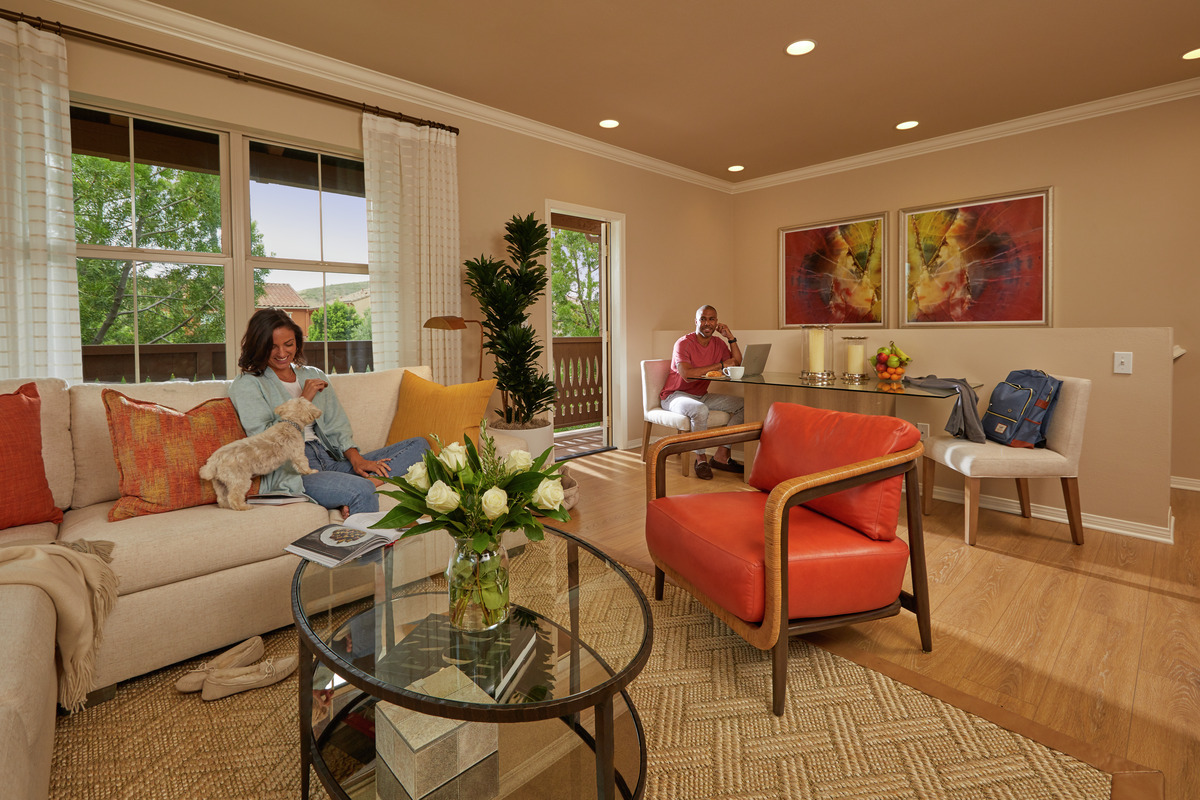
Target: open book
[
  {"x": 275, "y": 499},
  {"x": 334, "y": 545}
]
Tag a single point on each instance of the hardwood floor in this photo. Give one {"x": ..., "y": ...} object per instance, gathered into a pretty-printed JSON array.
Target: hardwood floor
[{"x": 1100, "y": 642}]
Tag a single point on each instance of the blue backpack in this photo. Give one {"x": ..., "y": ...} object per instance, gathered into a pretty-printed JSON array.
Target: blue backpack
[{"x": 1020, "y": 408}]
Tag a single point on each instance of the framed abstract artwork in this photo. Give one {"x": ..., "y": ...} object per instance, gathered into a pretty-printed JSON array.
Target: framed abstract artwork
[
  {"x": 831, "y": 273},
  {"x": 984, "y": 262}
]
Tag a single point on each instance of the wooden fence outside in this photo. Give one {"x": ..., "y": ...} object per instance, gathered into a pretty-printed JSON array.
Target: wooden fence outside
[
  {"x": 113, "y": 363},
  {"x": 579, "y": 377}
]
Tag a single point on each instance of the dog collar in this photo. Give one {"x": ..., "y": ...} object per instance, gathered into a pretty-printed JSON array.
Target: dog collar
[{"x": 294, "y": 424}]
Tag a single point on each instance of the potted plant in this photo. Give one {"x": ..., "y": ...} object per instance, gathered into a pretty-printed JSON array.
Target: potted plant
[{"x": 505, "y": 292}]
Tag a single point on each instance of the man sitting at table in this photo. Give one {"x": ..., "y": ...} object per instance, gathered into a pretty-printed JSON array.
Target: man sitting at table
[{"x": 686, "y": 392}]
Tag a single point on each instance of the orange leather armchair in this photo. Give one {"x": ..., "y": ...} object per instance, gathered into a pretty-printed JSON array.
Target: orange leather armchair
[{"x": 828, "y": 497}]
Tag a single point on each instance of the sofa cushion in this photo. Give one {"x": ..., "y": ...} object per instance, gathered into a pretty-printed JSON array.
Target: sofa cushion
[
  {"x": 715, "y": 541},
  {"x": 368, "y": 399},
  {"x": 159, "y": 452},
  {"x": 798, "y": 440},
  {"x": 56, "y": 434},
  {"x": 161, "y": 549},
  {"x": 25, "y": 497},
  {"x": 428, "y": 409},
  {"x": 96, "y": 477}
]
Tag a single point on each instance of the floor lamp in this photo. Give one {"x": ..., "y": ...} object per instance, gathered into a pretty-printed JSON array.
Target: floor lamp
[{"x": 458, "y": 324}]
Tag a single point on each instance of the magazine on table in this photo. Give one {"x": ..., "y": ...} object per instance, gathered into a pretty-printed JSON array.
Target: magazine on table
[
  {"x": 275, "y": 499},
  {"x": 495, "y": 660},
  {"x": 334, "y": 545}
]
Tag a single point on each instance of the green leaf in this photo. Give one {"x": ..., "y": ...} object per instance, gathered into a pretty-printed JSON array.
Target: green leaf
[{"x": 398, "y": 517}]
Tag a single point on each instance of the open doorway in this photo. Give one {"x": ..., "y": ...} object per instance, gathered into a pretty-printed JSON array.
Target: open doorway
[{"x": 579, "y": 270}]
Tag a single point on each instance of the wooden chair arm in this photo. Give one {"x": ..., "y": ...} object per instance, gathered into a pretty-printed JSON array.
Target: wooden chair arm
[
  {"x": 656, "y": 475},
  {"x": 802, "y": 489}
]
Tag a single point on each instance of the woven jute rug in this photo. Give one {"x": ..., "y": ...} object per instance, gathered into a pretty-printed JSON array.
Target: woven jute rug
[{"x": 848, "y": 732}]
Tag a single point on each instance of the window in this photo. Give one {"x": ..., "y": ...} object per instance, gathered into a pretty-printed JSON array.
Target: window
[{"x": 157, "y": 269}]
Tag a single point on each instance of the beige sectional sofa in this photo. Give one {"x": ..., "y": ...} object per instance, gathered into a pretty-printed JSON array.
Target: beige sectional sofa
[{"x": 191, "y": 580}]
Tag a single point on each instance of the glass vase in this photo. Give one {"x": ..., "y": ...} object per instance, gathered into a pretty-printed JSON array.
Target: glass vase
[{"x": 477, "y": 584}]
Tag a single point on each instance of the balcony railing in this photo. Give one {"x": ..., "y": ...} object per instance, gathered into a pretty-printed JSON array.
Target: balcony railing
[
  {"x": 113, "y": 363},
  {"x": 579, "y": 378}
]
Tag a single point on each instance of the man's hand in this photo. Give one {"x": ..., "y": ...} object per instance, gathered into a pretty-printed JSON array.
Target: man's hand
[{"x": 723, "y": 329}]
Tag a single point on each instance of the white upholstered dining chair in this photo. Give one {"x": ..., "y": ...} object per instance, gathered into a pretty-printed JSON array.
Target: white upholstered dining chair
[
  {"x": 1058, "y": 459},
  {"x": 654, "y": 377}
]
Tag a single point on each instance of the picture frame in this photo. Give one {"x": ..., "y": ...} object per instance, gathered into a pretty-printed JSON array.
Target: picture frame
[
  {"x": 984, "y": 262},
  {"x": 834, "y": 273}
]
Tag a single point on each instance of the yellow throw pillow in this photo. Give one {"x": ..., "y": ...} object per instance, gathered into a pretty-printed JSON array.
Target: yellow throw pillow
[{"x": 425, "y": 408}]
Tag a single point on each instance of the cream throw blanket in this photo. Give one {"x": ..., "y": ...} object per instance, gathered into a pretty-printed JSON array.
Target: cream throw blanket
[{"x": 83, "y": 588}]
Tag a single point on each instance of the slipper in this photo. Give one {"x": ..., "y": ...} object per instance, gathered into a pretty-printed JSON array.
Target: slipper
[
  {"x": 727, "y": 466},
  {"x": 703, "y": 471}
]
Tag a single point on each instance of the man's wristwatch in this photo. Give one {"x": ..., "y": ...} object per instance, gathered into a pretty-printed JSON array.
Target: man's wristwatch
[{"x": 732, "y": 341}]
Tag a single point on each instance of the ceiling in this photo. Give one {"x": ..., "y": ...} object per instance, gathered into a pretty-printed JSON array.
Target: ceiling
[{"x": 705, "y": 84}]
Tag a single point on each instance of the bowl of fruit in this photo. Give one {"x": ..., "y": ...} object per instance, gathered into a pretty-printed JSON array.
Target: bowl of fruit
[{"x": 890, "y": 363}]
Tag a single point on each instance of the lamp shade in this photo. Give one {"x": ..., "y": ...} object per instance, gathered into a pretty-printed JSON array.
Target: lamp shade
[{"x": 446, "y": 323}]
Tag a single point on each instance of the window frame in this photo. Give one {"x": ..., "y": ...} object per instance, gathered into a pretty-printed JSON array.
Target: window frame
[{"x": 234, "y": 258}]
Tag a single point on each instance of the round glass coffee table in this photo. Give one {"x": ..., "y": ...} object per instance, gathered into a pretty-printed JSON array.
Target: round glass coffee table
[{"x": 394, "y": 702}]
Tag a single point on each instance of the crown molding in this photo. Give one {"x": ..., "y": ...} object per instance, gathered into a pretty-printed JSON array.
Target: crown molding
[
  {"x": 159, "y": 19},
  {"x": 1049, "y": 119},
  {"x": 149, "y": 16}
]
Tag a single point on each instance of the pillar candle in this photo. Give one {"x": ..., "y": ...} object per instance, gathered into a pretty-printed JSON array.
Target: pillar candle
[
  {"x": 854, "y": 359},
  {"x": 816, "y": 350}
]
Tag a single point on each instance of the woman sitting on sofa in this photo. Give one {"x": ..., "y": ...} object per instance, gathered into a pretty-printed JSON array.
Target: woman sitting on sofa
[{"x": 273, "y": 371}]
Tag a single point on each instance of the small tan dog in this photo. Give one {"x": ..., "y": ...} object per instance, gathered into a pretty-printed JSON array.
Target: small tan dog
[{"x": 233, "y": 465}]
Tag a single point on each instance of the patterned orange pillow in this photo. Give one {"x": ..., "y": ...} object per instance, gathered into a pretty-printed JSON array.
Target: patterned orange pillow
[
  {"x": 25, "y": 496},
  {"x": 159, "y": 452}
]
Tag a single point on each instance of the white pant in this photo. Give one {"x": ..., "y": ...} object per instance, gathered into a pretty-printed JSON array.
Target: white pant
[{"x": 696, "y": 408}]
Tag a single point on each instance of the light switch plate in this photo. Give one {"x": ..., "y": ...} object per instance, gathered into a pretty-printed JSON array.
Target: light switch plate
[
  {"x": 1122, "y": 363},
  {"x": 923, "y": 427}
]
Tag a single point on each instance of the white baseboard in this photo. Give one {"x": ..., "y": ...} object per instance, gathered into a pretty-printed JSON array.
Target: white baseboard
[
  {"x": 1138, "y": 530},
  {"x": 1187, "y": 484}
]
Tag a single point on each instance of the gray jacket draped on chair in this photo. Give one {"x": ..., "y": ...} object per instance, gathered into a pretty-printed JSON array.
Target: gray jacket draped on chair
[{"x": 963, "y": 424}]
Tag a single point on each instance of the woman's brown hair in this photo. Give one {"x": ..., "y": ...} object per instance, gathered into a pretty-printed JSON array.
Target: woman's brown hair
[{"x": 260, "y": 338}]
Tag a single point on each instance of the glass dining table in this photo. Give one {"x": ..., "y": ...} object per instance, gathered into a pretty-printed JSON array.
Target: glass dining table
[{"x": 872, "y": 397}]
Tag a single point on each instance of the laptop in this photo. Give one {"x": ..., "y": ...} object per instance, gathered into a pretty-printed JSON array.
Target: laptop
[{"x": 754, "y": 358}]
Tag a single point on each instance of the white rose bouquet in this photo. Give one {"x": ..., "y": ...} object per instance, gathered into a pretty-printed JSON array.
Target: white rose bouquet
[
  {"x": 476, "y": 497},
  {"x": 472, "y": 493}
]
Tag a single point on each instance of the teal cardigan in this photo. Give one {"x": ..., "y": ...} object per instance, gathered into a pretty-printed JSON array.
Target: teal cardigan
[{"x": 255, "y": 398}]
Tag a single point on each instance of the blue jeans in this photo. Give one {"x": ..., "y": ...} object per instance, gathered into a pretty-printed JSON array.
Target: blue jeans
[{"x": 336, "y": 484}]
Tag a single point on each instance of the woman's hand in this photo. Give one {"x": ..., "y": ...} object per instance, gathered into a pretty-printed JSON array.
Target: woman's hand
[
  {"x": 311, "y": 387},
  {"x": 365, "y": 468}
]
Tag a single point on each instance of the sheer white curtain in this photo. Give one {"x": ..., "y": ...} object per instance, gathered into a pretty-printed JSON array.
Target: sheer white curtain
[
  {"x": 39, "y": 299},
  {"x": 412, "y": 234}
]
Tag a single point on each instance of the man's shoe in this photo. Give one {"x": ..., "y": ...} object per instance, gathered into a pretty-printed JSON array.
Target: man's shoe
[
  {"x": 727, "y": 466},
  {"x": 703, "y": 471},
  {"x": 241, "y": 655},
  {"x": 224, "y": 682}
]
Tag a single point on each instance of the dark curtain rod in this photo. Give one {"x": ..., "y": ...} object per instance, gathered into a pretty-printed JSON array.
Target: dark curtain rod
[{"x": 237, "y": 75}]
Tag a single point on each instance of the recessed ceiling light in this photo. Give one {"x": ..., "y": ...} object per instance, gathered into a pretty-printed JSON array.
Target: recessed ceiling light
[
  {"x": 801, "y": 47},
  {"x": 609, "y": 123},
  {"x": 1192, "y": 54},
  {"x": 903, "y": 126},
  {"x": 736, "y": 168}
]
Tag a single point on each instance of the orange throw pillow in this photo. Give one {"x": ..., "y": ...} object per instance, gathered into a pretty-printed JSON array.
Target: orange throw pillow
[
  {"x": 424, "y": 408},
  {"x": 25, "y": 497},
  {"x": 159, "y": 452}
]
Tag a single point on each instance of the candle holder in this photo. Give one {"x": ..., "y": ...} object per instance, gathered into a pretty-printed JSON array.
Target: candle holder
[
  {"x": 817, "y": 341},
  {"x": 854, "y": 359}
]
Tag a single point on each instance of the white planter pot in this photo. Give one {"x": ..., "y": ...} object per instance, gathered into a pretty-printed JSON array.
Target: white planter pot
[{"x": 536, "y": 439}]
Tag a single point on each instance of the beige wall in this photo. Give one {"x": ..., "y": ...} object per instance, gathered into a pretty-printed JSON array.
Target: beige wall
[{"x": 1125, "y": 212}]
